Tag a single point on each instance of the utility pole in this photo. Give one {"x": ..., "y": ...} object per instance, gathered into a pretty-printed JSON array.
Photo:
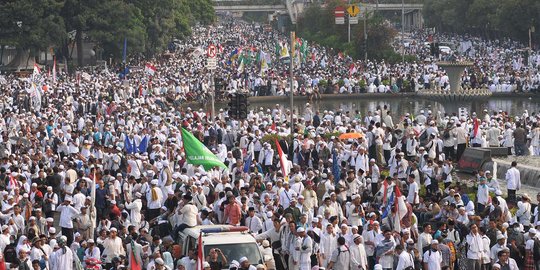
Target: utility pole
[
  {"x": 402, "y": 31},
  {"x": 291, "y": 74},
  {"x": 365, "y": 33},
  {"x": 212, "y": 96},
  {"x": 349, "y": 25}
]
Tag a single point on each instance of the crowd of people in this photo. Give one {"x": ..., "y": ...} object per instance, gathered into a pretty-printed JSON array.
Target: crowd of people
[{"x": 92, "y": 164}]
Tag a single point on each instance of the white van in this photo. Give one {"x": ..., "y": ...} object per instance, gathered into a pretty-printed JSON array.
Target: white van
[{"x": 234, "y": 242}]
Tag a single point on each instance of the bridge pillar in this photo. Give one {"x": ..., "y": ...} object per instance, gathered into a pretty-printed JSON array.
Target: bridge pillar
[{"x": 413, "y": 20}]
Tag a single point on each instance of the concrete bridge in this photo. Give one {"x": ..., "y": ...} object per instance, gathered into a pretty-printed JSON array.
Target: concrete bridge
[{"x": 413, "y": 12}]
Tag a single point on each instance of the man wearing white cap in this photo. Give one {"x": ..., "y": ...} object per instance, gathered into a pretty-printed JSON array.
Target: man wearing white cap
[
  {"x": 135, "y": 207},
  {"x": 113, "y": 246},
  {"x": 154, "y": 197},
  {"x": 50, "y": 201},
  {"x": 476, "y": 250},
  {"x": 67, "y": 214},
  {"x": 358, "y": 253},
  {"x": 302, "y": 252},
  {"x": 432, "y": 257},
  {"x": 4, "y": 238}
]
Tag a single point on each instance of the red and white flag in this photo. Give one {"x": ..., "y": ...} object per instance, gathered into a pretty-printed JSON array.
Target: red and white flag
[
  {"x": 282, "y": 160},
  {"x": 37, "y": 72},
  {"x": 352, "y": 69},
  {"x": 476, "y": 125},
  {"x": 150, "y": 69},
  {"x": 401, "y": 208},
  {"x": 54, "y": 70},
  {"x": 200, "y": 258}
]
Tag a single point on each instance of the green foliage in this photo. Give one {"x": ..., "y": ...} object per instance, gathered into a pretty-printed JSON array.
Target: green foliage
[
  {"x": 128, "y": 23},
  {"x": 490, "y": 18},
  {"x": 318, "y": 24},
  {"x": 328, "y": 136},
  {"x": 31, "y": 24},
  {"x": 148, "y": 25}
]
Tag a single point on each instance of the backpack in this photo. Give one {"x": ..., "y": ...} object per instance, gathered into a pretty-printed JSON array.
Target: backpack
[{"x": 536, "y": 249}]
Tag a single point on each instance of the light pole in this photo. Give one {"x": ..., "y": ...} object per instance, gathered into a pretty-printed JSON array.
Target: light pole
[
  {"x": 292, "y": 87},
  {"x": 402, "y": 31},
  {"x": 349, "y": 25},
  {"x": 365, "y": 33}
]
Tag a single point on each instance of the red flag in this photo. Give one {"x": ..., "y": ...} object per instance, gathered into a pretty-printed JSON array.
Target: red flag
[
  {"x": 273, "y": 127},
  {"x": 2, "y": 262},
  {"x": 282, "y": 160},
  {"x": 476, "y": 124},
  {"x": 133, "y": 262},
  {"x": 200, "y": 258}
]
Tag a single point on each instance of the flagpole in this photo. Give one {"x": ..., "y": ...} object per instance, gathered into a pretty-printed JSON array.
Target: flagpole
[
  {"x": 93, "y": 201},
  {"x": 292, "y": 95}
]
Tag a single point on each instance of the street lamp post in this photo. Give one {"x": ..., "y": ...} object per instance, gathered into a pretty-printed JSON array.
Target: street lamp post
[{"x": 402, "y": 31}]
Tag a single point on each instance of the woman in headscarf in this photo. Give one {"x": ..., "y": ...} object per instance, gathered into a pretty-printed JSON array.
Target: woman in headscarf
[{"x": 23, "y": 243}]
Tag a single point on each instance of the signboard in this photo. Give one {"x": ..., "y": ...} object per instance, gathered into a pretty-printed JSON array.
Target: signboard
[
  {"x": 211, "y": 51},
  {"x": 353, "y": 10},
  {"x": 353, "y": 20},
  {"x": 473, "y": 158},
  {"x": 211, "y": 63},
  {"x": 339, "y": 13}
]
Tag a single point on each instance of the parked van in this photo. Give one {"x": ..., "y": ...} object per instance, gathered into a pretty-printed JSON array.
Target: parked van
[{"x": 234, "y": 242}]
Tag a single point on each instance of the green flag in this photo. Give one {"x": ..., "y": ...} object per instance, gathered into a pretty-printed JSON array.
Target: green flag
[{"x": 197, "y": 153}]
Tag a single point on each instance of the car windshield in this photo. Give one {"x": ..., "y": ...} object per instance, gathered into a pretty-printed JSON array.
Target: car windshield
[{"x": 237, "y": 251}]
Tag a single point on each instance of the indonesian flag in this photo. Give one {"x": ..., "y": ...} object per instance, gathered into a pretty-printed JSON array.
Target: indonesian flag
[
  {"x": 2, "y": 262},
  {"x": 54, "y": 70},
  {"x": 200, "y": 258},
  {"x": 401, "y": 209},
  {"x": 282, "y": 159},
  {"x": 385, "y": 191},
  {"x": 150, "y": 69},
  {"x": 476, "y": 124},
  {"x": 36, "y": 72},
  {"x": 352, "y": 69}
]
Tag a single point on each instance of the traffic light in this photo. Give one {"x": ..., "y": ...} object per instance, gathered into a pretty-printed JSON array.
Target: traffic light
[
  {"x": 243, "y": 105},
  {"x": 233, "y": 106}
]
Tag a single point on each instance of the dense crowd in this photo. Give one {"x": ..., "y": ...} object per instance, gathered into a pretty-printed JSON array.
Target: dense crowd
[{"x": 92, "y": 165}]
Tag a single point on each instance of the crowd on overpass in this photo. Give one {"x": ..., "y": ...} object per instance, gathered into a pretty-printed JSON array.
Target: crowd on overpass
[{"x": 93, "y": 168}]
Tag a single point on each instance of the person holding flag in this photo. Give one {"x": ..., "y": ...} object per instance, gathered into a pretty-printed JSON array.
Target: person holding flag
[{"x": 135, "y": 254}]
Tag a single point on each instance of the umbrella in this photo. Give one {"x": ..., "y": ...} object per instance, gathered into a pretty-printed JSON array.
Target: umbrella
[{"x": 352, "y": 135}]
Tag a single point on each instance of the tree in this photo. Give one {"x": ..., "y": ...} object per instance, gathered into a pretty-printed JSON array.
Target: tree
[
  {"x": 117, "y": 21},
  {"x": 318, "y": 24},
  {"x": 31, "y": 24}
]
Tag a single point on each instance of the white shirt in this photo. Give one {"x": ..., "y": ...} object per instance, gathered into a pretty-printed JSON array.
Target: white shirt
[
  {"x": 405, "y": 260},
  {"x": 189, "y": 214},
  {"x": 135, "y": 213},
  {"x": 254, "y": 224},
  {"x": 62, "y": 261},
  {"x": 433, "y": 259},
  {"x": 113, "y": 248},
  {"x": 157, "y": 203},
  {"x": 412, "y": 197},
  {"x": 513, "y": 179},
  {"x": 67, "y": 214}
]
